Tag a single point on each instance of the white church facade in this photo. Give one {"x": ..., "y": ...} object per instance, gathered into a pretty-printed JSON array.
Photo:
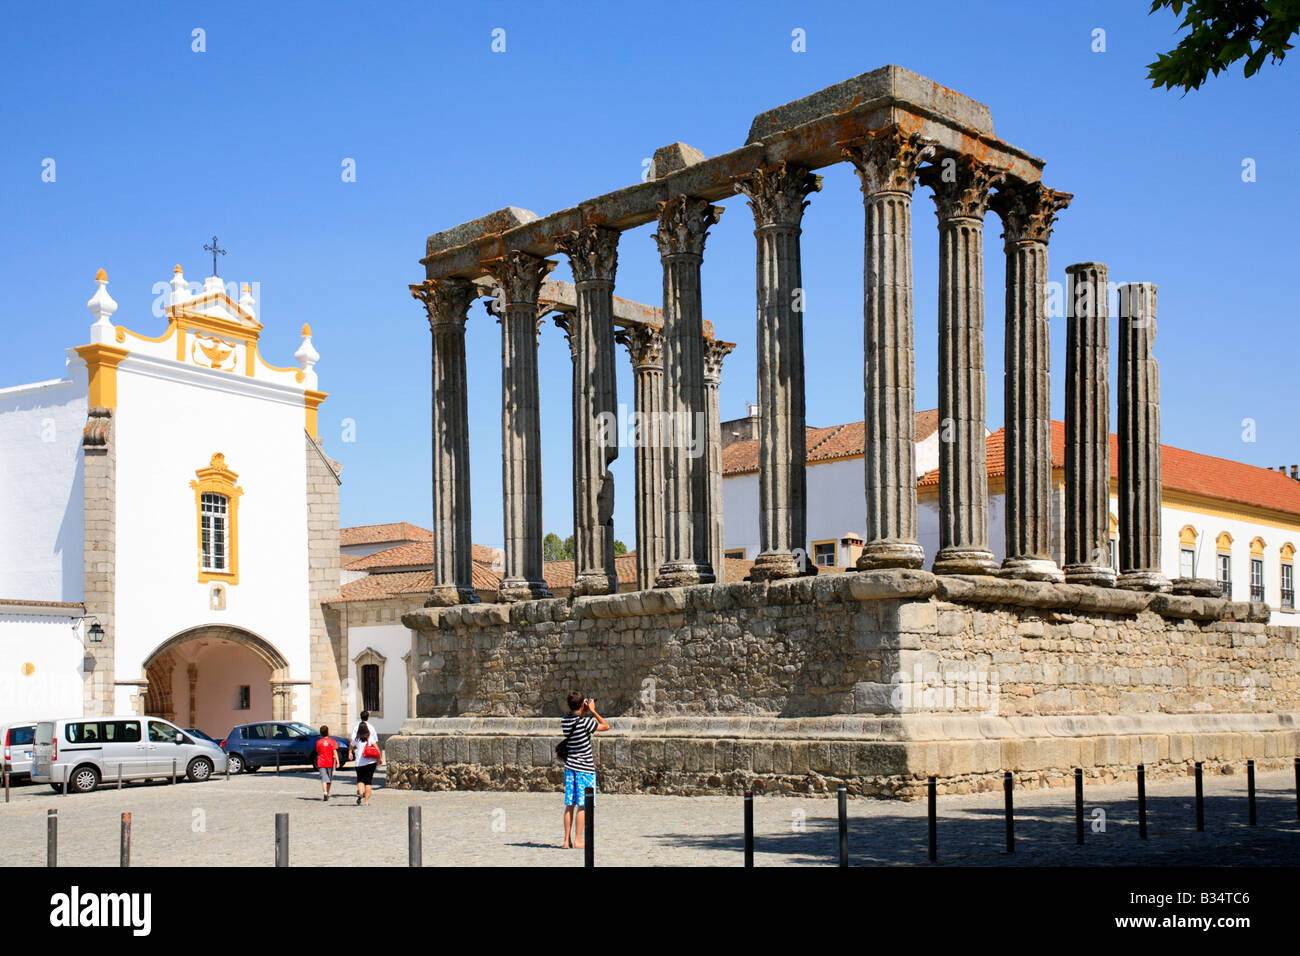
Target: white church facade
[{"x": 170, "y": 525}]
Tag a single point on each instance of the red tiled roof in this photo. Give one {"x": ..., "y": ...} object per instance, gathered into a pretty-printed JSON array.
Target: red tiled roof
[
  {"x": 823, "y": 444},
  {"x": 1180, "y": 470},
  {"x": 16, "y": 602},
  {"x": 383, "y": 533},
  {"x": 417, "y": 555}
]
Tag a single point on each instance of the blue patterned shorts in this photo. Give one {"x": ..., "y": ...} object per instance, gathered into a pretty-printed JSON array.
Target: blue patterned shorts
[{"x": 576, "y": 783}]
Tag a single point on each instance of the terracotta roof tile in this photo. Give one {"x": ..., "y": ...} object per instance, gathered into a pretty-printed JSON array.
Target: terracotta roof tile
[
  {"x": 383, "y": 533},
  {"x": 416, "y": 555},
  {"x": 1181, "y": 470},
  {"x": 823, "y": 444}
]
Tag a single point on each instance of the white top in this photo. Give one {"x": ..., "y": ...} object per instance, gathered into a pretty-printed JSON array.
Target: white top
[{"x": 359, "y": 746}]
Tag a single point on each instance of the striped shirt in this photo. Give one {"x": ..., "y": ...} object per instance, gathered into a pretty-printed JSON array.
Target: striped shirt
[{"x": 577, "y": 733}]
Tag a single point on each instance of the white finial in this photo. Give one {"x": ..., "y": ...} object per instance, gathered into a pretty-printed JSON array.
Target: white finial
[
  {"x": 101, "y": 306},
  {"x": 306, "y": 355},
  {"x": 180, "y": 288},
  {"x": 247, "y": 302}
]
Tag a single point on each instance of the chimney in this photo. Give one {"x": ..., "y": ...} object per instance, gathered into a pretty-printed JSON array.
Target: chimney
[
  {"x": 1295, "y": 472},
  {"x": 850, "y": 550}
]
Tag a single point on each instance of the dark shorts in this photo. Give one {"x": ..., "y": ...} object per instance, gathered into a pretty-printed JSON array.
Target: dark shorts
[{"x": 366, "y": 772}]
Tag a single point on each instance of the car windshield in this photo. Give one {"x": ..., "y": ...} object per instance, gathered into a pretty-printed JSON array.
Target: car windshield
[{"x": 303, "y": 728}]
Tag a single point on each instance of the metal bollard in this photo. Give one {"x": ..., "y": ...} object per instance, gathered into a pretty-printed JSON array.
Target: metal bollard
[
  {"x": 1250, "y": 790},
  {"x": 843, "y": 795},
  {"x": 1297, "y": 788},
  {"x": 589, "y": 827},
  {"x": 6, "y": 774},
  {"x": 172, "y": 779},
  {"x": 1078, "y": 806},
  {"x": 1142, "y": 802},
  {"x": 51, "y": 837},
  {"x": 749, "y": 828},
  {"x": 282, "y": 839},
  {"x": 119, "y": 776},
  {"x": 126, "y": 840},
  {"x": 227, "y": 769},
  {"x": 277, "y": 763},
  {"x": 413, "y": 840},
  {"x": 933, "y": 787},
  {"x": 1200, "y": 800},
  {"x": 1008, "y": 788}
]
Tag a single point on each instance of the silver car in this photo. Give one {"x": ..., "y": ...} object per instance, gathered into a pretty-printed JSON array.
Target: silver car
[
  {"x": 17, "y": 740},
  {"x": 87, "y": 751}
]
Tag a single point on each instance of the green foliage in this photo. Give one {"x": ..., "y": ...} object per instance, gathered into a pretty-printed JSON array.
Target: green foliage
[
  {"x": 554, "y": 549},
  {"x": 619, "y": 547},
  {"x": 1221, "y": 33}
]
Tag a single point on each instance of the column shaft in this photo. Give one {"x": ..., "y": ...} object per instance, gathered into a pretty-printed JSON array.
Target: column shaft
[
  {"x": 447, "y": 303},
  {"x": 714, "y": 353},
  {"x": 1139, "y": 441},
  {"x": 887, "y": 163},
  {"x": 776, "y": 196},
  {"x": 645, "y": 346},
  {"x": 683, "y": 227},
  {"x": 1087, "y": 427},
  {"x": 593, "y": 254},
  {"x": 1028, "y": 211},
  {"x": 520, "y": 277}
]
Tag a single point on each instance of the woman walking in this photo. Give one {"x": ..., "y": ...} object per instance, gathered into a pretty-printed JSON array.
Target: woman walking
[{"x": 368, "y": 758}]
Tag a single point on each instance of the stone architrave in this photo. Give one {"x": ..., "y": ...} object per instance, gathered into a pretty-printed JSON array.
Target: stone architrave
[
  {"x": 519, "y": 277},
  {"x": 447, "y": 303},
  {"x": 714, "y": 353},
  {"x": 1028, "y": 211},
  {"x": 961, "y": 196},
  {"x": 1087, "y": 427},
  {"x": 777, "y": 198},
  {"x": 683, "y": 227},
  {"x": 1139, "y": 441},
  {"x": 593, "y": 255},
  {"x": 887, "y": 162},
  {"x": 645, "y": 348}
]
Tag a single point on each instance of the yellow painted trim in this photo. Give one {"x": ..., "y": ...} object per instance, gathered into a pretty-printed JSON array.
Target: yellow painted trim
[
  {"x": 101, "y": 366},
  {"x": 312, "y": 401},
  {"x": 216, "y": 478},
  {"x": 1114, "y": 527},
  {"x": 812, "y": 552},
  {"x": 1223, "y": 542},
  {"x": 1257, "y": 547},
  {"x": 735, "y": 554},
  {"x": 1187, "y": 535},
  {"x": 1288, "y": 551},
  {"x": 123, "y": 332},
  {"x": 277, "y": 368}
]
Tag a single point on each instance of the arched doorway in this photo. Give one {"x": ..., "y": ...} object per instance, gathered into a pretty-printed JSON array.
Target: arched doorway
[{"x": 215, "y": 677}]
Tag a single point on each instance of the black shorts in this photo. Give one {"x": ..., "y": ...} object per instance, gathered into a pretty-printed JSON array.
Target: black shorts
[{"x": 366, "y": 772}]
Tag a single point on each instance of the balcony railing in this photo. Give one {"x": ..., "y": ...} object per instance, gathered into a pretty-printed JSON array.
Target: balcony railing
[
  {"x": 1225, "y": 589},
  {"x": 1288, "y": 598},
  {"x": 1257, "y": 592}
]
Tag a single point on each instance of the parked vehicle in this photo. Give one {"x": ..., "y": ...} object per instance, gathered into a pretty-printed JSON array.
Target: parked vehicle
[
  {"x": 17, "y": 740},
  {"x": 195, "y": 732},
  {"x": 94, "y": 750},
  {"x": 252, "y": 746}
]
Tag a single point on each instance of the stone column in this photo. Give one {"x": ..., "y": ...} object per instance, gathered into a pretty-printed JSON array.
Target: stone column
[
  {"x": 776, "y": 195},
  {"x": 519, "y": 277},
  {"x": 714, "y": 353},
  {"x": 1028, "y": 211},
  {"x": 961, "y": 196},
  {"x": 1087, "y": 427},
  {"x": 887, "y": 162},
  {"x": 1139, "y": 441},
  {"x": 593, "y": 255},
  {"x": 99, "y": 561},
  {"x": 447, "y": 303},
  {"x": 645, "y": 346},
  {"x": 683, "y": 226}
]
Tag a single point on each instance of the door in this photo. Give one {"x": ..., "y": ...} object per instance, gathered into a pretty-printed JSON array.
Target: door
[
  {"x": 257, "y": 748},
  {"x": 125, "y": 749},
  {"x": 162, "y": 748},
  {"x": 293, "y": 744}
]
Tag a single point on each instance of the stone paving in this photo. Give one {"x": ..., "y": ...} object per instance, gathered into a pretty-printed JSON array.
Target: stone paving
[{"x": 231, "y": 823}]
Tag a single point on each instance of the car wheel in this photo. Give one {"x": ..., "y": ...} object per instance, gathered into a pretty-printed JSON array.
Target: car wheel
[
  {"x": 56, "y": 787},
  {"x": 235, "y": 763},
  {"x": 200, "y": 769},
  {"x": 84, "y": 779}
]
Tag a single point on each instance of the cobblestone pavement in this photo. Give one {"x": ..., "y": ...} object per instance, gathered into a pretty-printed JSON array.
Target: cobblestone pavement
[{"x": 231, "y": 823}]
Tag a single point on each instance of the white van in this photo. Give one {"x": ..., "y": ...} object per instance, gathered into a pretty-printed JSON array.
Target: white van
[{"x": 86, "y": 751}]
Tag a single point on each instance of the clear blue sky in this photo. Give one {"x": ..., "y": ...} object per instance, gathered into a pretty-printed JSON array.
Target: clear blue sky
[{"x": 158, "y": 147}]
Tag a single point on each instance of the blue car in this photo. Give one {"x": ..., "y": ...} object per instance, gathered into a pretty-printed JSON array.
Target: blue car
[{"x": 251, "y": 746}]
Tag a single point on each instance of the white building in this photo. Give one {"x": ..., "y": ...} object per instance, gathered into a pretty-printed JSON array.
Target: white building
[
  {"x": 1221, "y": 519},
  {"x": 169, "y": 525}
]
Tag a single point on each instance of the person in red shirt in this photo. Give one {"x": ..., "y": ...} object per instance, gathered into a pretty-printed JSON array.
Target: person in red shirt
[{"x": 327, "y": 761}]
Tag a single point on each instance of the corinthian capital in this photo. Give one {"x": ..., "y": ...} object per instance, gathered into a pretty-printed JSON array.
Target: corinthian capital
[
  {"x": 776, "y": 193},
  {"x": 520, "y": 276},
  {"x": 592, "y": 252},
  {"x": 684, "y": 225},
  {"x": 1028, "y": 211},
  {"x": 446, "y": 301},
  {"x": 714, "y": 353},
  {"x": 961, "y": 186},
  {"x": 645, "y": 346},
  {"x": 887, "y": 159}
]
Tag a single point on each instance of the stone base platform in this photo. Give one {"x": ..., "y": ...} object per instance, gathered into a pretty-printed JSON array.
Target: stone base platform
[{"x": 887, "y": 756}]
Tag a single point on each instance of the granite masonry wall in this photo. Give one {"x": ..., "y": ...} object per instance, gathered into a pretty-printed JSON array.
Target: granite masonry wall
[{"x": 875, "y": 679}]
